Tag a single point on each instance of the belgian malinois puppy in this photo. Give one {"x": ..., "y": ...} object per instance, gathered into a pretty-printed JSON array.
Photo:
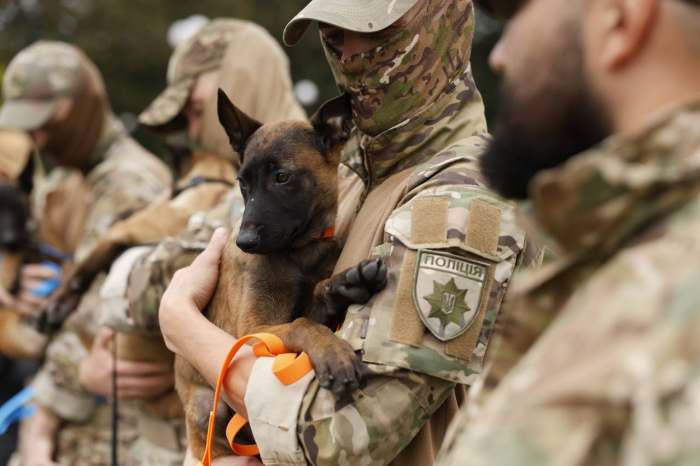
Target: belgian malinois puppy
[{"x": 275, "y": 269}]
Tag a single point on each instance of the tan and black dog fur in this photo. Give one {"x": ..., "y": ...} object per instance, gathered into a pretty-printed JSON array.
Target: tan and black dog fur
[{"x": 275, "y": 268}]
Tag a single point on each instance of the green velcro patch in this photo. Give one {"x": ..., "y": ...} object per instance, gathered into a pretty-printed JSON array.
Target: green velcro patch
[{"x": 448, "y": 291}]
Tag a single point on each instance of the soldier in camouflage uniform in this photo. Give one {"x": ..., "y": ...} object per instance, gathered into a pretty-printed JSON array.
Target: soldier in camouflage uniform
[
  {"x": 602, "y": 366},
  {"x": 52, "y": 90},
  {"x": 451, "y": 245},
  {"x": 243, "y": 59}
]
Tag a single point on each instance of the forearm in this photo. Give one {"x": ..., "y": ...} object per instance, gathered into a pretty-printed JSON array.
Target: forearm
[
  {"x": 38, "y": 443},
  {"x": 204, "y": 345}
]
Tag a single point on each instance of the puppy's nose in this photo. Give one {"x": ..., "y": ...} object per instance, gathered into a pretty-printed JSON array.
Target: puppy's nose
[{"x": 247, "y": 240}]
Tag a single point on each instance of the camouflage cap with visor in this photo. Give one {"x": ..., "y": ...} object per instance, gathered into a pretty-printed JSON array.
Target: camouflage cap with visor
[
  {"x": 203, "y": 52},
  {"x": 35, "y": 81},
  {"x": 354, "y": 15}
]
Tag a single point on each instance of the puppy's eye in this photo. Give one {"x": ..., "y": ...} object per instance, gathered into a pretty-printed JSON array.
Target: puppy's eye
[
  {"x": 242, "y": 184},
  {"x": 282, "y": 178}
]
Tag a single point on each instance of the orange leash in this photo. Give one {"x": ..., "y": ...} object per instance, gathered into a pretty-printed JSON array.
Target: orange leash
[{"x": 287, "y": 367}]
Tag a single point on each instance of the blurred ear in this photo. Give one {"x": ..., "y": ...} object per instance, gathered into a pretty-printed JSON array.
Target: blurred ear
[
  {"x": 238, "y": 126},
  {"x": 627, "y": 25},
  {"x": 26, "y": 178},
  {"x": 331, "y": 121}
]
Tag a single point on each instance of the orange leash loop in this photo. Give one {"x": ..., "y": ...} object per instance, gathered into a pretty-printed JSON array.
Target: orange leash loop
[{"x": 287, "y": 367}]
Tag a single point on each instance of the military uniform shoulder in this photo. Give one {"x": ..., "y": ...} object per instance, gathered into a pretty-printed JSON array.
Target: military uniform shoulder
[
  {"x": 58, "y": 179},
  {"x": 126, "y": 157},
  {"x": 457, "y": 163},
  {"x": 452, "y": 246}
]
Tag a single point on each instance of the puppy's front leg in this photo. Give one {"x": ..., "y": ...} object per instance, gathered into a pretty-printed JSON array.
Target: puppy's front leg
[
  {"x": 335, "y": 362},
  {"x": 355, "y": 285}
]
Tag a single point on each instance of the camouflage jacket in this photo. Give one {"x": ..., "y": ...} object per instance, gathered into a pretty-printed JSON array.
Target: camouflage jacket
[
  {"x": 610, "y": 329},
  {"x": 451, "y": 246},
  {"x": 143, "y": 273},
  {"x": 124, "y": 177}
]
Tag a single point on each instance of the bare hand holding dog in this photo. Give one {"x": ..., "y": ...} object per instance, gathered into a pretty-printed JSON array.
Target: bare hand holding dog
[
  {"x": 135, "y": 380},
  {"x": 190, "y": 335},
  {"x": 26, "y": 302}
]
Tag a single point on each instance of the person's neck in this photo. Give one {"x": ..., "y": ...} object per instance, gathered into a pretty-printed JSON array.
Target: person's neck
[{"x": 654, "y": 92}]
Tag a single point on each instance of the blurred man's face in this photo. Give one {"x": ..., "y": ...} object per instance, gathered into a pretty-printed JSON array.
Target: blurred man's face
[
  {"x": 204, "y": 87},
  {"x": 548, "y": 112},
  {"x": 41, "y": 136}
]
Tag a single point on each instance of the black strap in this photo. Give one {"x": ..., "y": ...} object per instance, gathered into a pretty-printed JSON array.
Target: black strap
[
  {"x": 197, "y": 180},
  {"x": 115, "y": 411}
]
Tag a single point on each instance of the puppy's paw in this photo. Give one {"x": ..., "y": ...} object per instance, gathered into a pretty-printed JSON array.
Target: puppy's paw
[
  {"x": 357, "y": 284},
  {"x": 337, "y": 367}
]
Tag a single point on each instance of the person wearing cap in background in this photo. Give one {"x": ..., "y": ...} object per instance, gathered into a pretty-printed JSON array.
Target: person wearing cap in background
[
  {"x": 53, "y": 91},
  {"x": 604, "y": 364},
  {"x": 245, "y": 61},
  {"x": 423, "y": 206}
]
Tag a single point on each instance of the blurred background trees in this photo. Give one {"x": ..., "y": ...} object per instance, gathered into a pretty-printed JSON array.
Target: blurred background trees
[{"x": 128, "y": 40}]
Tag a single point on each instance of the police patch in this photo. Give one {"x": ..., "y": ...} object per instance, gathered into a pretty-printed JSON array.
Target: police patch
[{"x": 448, "y": 291}]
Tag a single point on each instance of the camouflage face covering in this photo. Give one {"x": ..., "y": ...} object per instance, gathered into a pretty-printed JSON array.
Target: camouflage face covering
[{"x": 398, "y": 79}]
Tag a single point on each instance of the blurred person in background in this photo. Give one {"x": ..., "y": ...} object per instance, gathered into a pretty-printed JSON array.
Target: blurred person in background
[
  {"x": 601, "y": 116},
  {"x": 53, "y": 91},
  {"x": 36, "y": 212},
  {"x": 244, "y": 60},
  {"x": 417, "y": 196}
]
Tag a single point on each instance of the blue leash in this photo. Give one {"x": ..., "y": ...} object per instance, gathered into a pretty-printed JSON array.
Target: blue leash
[{"x": 16, "y": 408}]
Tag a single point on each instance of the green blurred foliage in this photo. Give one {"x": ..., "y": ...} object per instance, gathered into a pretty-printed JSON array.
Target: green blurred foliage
[{"x": 128, "y": 42}]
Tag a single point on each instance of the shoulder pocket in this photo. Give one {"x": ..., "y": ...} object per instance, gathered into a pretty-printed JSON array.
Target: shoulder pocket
[{"x": 452, "y": 254}]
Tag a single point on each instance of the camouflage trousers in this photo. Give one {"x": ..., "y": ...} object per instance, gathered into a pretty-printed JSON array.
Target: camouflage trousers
[{"x": 90, "y": 443}]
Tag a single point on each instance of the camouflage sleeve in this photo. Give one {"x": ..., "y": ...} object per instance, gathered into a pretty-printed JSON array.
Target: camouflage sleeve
[
  {"x": 148, "y": 273},
  {"x": 612, "y": 379},
  {"x": 427, "y": 331},
  {"x": 57, "y": 385},
  {"x": 107, "y": 203}
]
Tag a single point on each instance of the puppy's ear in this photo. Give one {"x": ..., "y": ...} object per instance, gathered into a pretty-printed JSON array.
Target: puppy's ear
[
  {"x": 26, "y": 178},
  {"x": 239, "y": 126},
  {"x": 331, "y": 121}
]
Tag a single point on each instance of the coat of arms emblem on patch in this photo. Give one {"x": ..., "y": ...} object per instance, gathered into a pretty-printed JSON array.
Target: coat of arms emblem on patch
[{"x": 448, "y": 291}]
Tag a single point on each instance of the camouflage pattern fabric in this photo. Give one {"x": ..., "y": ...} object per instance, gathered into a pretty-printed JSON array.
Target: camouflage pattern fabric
[
  {"x": 125, "y": 178},
  {"x": 611, "y": 364},
  {"x": 35, "y": 80},
  {"x": 90, "y": 443},
  {"x": 152, "y": 272},
  {"x": 201, "y": 53},
  {"x": 391, "y": 83},
  {"x": 426, "y": 158}
]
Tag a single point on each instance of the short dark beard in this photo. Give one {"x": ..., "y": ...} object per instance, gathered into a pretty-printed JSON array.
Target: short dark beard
[{"x": 541, "y": 124}]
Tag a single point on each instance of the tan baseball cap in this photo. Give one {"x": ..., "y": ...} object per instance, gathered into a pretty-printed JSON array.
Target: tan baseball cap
[
  {"x": 34, "y": 82},
  {"x": 201, "y": 53},
  {"x": 354, "y": 15}
]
